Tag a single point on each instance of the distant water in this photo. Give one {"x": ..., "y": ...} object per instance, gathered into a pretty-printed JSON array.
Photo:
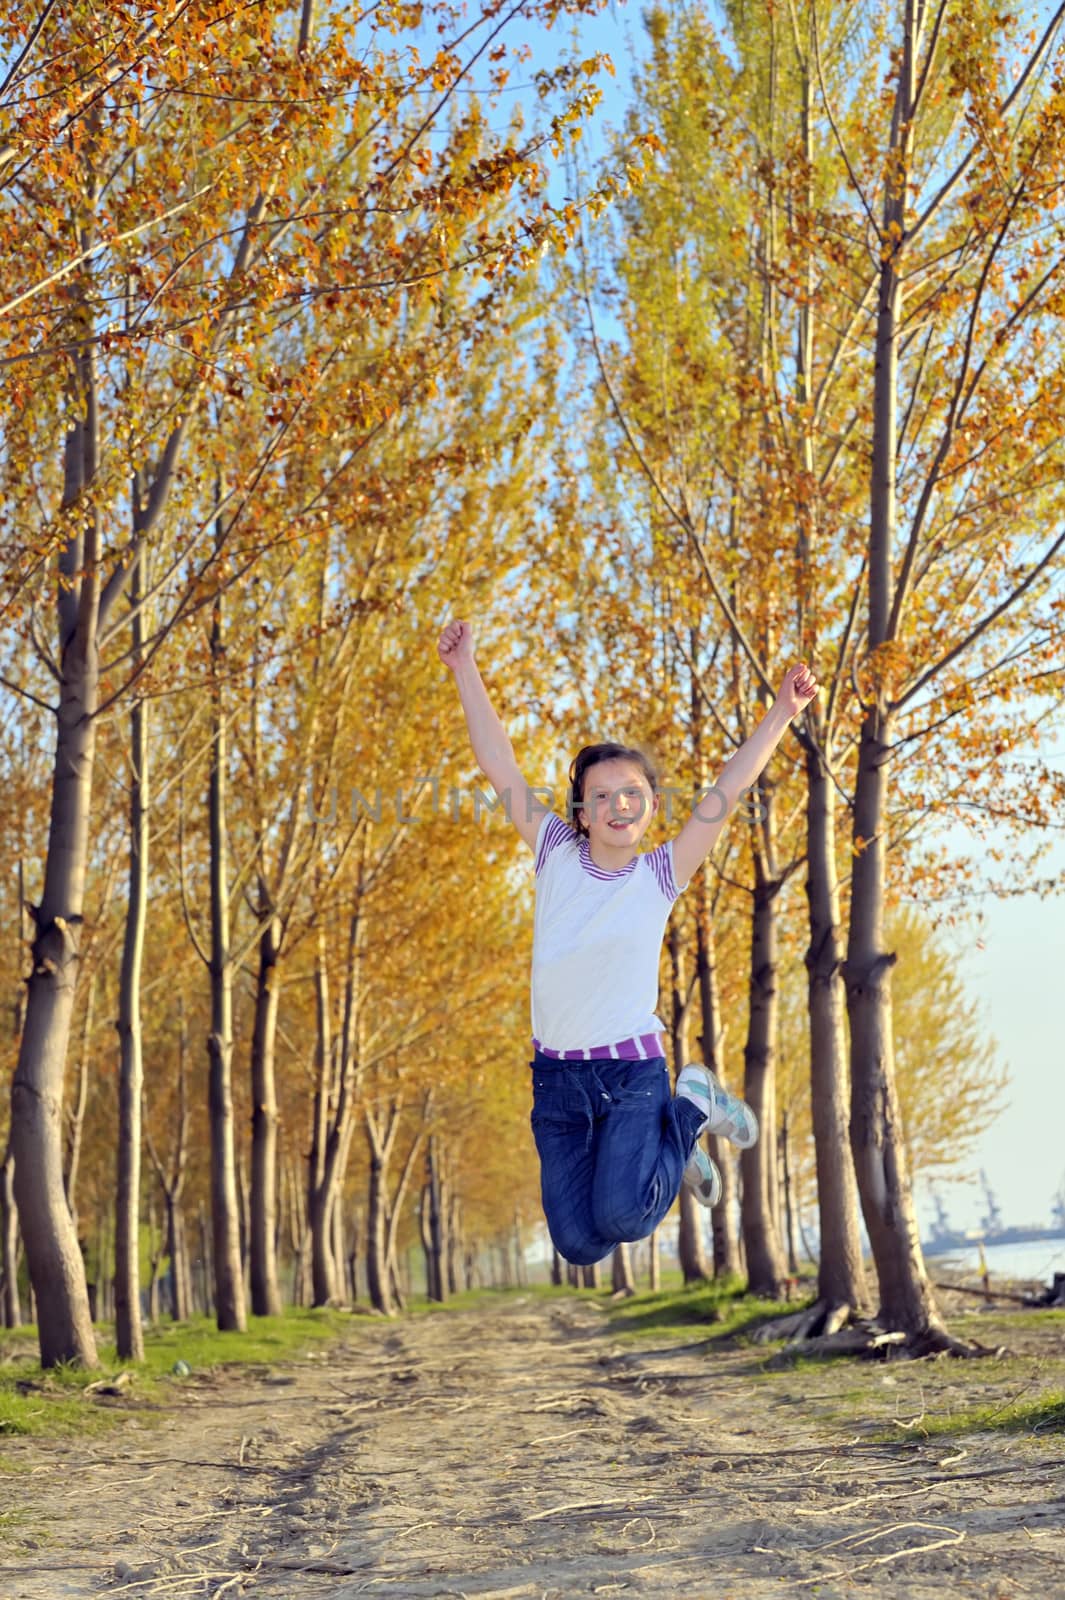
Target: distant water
[{"x": 1038, "y": 1260}]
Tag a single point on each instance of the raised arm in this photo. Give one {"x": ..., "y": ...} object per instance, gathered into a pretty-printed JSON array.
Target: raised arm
[
  {"x": 491, "y": 745},
  {"x": 700, "y": 833}
]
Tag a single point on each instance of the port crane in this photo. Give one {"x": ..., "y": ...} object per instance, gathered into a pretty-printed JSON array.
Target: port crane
[{"x": 991, "y": 1222}]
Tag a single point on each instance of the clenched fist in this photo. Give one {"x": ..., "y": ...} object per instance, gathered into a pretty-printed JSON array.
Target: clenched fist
[
  {"x": 797, "y": 690},
  {"x": 455, "y": 644}
]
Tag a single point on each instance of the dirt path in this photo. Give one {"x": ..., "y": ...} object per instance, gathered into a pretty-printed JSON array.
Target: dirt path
[{"x": 516, "y": 1450}]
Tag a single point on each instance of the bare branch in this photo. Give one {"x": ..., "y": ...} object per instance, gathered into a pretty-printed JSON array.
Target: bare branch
[
  {"x": 27, "y": 694},
  {"x": 983, "y": 625}
]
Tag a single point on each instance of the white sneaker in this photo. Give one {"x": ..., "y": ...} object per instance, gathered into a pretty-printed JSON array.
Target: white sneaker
[
  {"x": 703, "y": 1178},
  {"x": 725, "y": 1113}
]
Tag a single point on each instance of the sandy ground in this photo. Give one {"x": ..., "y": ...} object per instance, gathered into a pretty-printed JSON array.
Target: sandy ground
[{"x": 520, "y": 1450}]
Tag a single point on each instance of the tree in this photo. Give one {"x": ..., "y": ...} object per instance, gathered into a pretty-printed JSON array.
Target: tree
[
  {"x": 129, "y": 1338},
  {"x": 172, "y": 1174},
  {"x": 957, "y": 181},
  {"x": 739, "y": 494},
  {"x": 957, "y": 601},
  {"x": 186, "y": 234}
]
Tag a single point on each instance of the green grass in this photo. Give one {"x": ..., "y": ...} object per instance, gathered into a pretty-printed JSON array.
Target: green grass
[
  {"x": 469, "y": 1299},
  {"x": 720, "y": 1310},
  {"x": 53, "y": 1402},
  {"x": 49, "y": 1411},
  {"x": 1044, "y": 1415},
  {"x": 982, "y": 1325}
]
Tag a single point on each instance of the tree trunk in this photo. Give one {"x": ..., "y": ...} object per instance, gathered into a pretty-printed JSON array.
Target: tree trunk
[
  {"x": 691, "y": 1250},
  {"x": 841, "y": 1274},
  {"x": 333, "y": 1125},
  {"x": 394, "y": 1208},
  {"x": 319, "y": 1195},
  {"x": 906, "y": 1300},
  {"x": 265, "y": 1291},
  {"x": 104, "y": 1275},
  {"x": 228, "y": 1278},
  {"x": 297, "y": 1215},
  {"x": 789, "y": 1209},
  {"x": 324, "y": 1291},
  {"x": 712, "y": 1041},
  {"x": 10, "y": 1309},
  {"x": 622, "y": 1280},
  {"x": 691, "y": 1242},
  {"x": 399, "y": 1291},
  {"x": 243, "y": 1209},
  {"x": 425, "y": 1233},
  {"x": 377, "y": 1254},
  {"x": 55, "y": 1264},
  {"x": 177, "y": 1250},
  {"x": 516, "y": 1253},
  {"x": 56, "y": 1268},
  {"x": 129, "y": 1334},
  {"x": 654, "y": 1263},
  {"x": 155, "y": 1258},
  {"x": 765, "y": 1263},
  {"x": 340, "y": 1251},
  {"x": 437, "y": 1242},
  {"x": 353, "y": 1254},
  {"x": 76, "y": 1116},
  {"x": 172, "y": 1183},
  {"x": 454, "y": 1243},
  {"x": 10, "y": 1306},
  {"x": 558, "y": 1267},
  {"x": 205, "y": 1273}
]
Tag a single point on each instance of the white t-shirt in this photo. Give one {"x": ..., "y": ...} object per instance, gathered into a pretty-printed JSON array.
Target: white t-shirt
[{"x": 597, "y": 936}]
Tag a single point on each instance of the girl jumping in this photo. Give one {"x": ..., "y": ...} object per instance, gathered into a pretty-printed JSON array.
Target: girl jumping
[{"x": 614, "y": 1143}]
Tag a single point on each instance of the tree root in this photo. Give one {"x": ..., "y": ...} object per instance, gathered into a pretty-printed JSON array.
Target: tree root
[
  {"x": 820, "y": 1319},
  {"x": 839, "y": 1330},
  {"x": 936, "y": 1341}
]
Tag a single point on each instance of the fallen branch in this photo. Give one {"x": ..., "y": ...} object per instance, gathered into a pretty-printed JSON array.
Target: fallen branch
[
  {"x": 860, "y": 1500},
  {"x": 956, "y": 1537},
  {"x": 586, "y": 1505},
  {"x": 110, "y": 1386},
  {"x": 987, "y": 1294}
]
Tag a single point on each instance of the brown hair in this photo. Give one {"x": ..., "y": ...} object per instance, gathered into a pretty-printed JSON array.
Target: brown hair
[{"x": 588, "y": 757}]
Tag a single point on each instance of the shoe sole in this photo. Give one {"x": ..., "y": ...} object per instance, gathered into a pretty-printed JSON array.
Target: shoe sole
[
  {"x": 707, "y": 1198},
  {"x": 707, "y": 1190}
]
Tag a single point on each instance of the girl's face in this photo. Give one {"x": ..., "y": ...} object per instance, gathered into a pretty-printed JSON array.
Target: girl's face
[{"x": 617, "y": 804}]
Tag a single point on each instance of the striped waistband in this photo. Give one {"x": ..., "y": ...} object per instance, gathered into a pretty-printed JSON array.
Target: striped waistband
[{"x": 645, "y": 1047}]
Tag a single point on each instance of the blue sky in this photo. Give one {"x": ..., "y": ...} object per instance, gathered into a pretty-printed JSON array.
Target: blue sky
[{"x": 1016, "y": 977}]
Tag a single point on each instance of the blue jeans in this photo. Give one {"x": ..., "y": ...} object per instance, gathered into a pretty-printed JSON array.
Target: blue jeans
[{"x": 613, "y": 1144}]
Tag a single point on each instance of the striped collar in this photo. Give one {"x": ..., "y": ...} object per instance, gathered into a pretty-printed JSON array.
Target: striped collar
[{"x": 584, "y": 853}]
